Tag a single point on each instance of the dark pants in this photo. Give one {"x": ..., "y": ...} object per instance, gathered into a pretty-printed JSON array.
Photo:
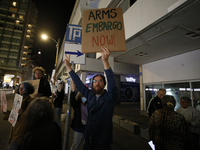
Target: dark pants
[
  {"x": 88, "y": 146},
  {"x": 194, "y": 141},
  {"x": 158, "y": 147}
]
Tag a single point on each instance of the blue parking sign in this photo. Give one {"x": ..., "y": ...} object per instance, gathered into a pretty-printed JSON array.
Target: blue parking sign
[{"x": 73, "y": 33}]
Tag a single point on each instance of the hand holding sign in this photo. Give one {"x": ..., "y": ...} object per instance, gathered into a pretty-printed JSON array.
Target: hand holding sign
[{"x": 104, "y": 58}]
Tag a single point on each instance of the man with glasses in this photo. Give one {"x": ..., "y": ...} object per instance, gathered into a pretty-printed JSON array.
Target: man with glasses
[{"x": 100, "y": 104}]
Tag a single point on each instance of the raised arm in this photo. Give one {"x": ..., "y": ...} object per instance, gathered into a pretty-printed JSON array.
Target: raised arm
[
  {"x": 104, "y": 58},
  {"x": 67, "y": 63}
]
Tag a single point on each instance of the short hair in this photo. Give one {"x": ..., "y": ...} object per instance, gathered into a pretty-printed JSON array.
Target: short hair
[
  {"x": 39, "y": 110},
  {"x": 40, "y": 69},
  {"x": 162, "y": 89},
  {"x": 102, "y": 76},
  {"x": 169, "y": 101},
  {"x": 185, "y": 98},
  {"x": 28, "y": 88}
]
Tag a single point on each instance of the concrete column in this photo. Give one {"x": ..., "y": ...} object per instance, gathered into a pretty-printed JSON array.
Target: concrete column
[
  {"x": 83, "y": 77},
  {"x": 141, "y": 89},
  {"x": 15, "y": 79}
]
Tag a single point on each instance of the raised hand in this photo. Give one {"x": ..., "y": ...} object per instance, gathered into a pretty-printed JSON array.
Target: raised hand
[
  {"x": 67, "y": 62},
  {"x": 105, "y": 54}
]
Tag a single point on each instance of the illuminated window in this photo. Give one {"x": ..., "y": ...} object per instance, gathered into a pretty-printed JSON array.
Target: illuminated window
[
  {"x": 29, "y": 31},
  {"x": 28, "y": 36},
  {"x": 21, "y": 17},
  {"x": 26, "y": 47},
  {"x": 23, "y": 58},
  {"x": 25, "y": 53},
  {"x": 17, "y": 21},
  {"x": 30, "y": 25},
  {"x": 14, "y": 3},
  {"x": 13, "y": 15}
]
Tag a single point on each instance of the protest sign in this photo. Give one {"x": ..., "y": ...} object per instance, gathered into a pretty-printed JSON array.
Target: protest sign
[
  {"x": 14, "y": 112},
  {"x": 3, "y": 101},
  {"x": 35, "y": 84},
  {"x": 103, "y": 27}
]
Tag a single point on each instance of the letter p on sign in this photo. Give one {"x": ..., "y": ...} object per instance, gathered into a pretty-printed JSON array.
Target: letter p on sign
[{"x": 73, "y": 33}]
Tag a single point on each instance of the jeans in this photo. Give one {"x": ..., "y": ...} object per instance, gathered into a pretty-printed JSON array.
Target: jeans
[
  {"x": 78, "y": 137},
  {"x": 58, "y": 115}
]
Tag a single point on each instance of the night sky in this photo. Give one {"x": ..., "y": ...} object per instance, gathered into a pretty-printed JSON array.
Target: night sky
[{"x": 53, "y": 17}]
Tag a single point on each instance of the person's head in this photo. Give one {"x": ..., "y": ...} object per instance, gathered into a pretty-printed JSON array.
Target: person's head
[
  {"x": 39, "y": 111},
  {"x": 38, "y": 72},
  {"x": 169, "y": 101},
  {"x": 80, "y": 98},
  {"x": 25, "y": 88},
  {"x": 98, "y": 84},
  {"x": 161, "y": 92},
  {"x": 185, "y": 102}
]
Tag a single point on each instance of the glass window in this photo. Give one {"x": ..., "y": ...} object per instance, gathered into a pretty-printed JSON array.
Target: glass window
[
  {"x": 15, "y": 47},
  {"x": 3, "y": 53},
  {"x": 9, "y": 26},
  {"x": 196, "y": 94},
  {"x": 14, "y": 4},
  {"x": 6, "y": 39},
  {"x": 178, "y": 90},
  {"x": 2, "y": 61},
  {"x": 12, "y": 62},
  {"x": 13, "y": 54},
  {"x": 5, "y": 46}
]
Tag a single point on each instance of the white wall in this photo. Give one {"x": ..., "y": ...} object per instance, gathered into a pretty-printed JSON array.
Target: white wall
[
  {"x": 177, "y": 68},
  {"x": 103, "y": 3},
  {"x": 144, "y": 13}
]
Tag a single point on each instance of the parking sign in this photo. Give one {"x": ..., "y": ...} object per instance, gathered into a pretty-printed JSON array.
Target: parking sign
[{"x": 73, "y": 33}]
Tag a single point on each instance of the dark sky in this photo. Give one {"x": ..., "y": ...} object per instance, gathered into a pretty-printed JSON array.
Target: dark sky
[{"x": 53, "y": 17}]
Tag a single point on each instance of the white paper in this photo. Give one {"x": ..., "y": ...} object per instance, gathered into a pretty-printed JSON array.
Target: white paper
[
  {"x": 14, "y": 112},
  {"x": 151, "y": 145}
]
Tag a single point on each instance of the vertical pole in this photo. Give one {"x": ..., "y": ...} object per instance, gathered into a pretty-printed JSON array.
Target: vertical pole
[{"x": 68, "y": 118}]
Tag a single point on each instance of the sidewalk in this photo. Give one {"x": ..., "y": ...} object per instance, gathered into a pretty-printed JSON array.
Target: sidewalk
[{"x": 123, "y": 139}]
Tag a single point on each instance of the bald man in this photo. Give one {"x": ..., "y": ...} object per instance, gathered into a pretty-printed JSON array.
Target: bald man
[{"x": 156, "y": 103}]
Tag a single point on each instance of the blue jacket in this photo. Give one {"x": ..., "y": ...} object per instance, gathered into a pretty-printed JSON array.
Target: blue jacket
[{"x": 99, "y": 126}]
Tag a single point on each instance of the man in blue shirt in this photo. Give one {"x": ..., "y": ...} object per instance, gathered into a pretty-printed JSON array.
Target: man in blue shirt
[{"x": 100, "y": 104}]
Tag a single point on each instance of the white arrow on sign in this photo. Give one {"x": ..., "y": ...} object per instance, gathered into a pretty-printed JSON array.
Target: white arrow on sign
[{"x": 76, "y": 56}]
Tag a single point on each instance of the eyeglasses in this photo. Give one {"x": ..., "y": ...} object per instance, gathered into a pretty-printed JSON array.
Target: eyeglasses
[{"x": 99, "y": 81}]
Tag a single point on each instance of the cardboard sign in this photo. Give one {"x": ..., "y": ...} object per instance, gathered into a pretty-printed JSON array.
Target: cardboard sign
[
  {"x": 103, "y": 27},
  {"x": 3, "y": 101},
  {"x": 35, "y": 84},
  {"x": 14, "y": 112}
]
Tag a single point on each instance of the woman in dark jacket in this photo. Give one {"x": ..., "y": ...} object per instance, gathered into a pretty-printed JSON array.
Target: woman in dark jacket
[
  {"x": 17, "y": 132},
  {"x": 43, "y": 133},
  {"x": 79, "y": 104}
]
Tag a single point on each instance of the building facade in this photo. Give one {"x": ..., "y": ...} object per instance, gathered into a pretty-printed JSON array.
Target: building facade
[
  {"x": 17, "y": 29},
  {"x": 163, "y": 49}
]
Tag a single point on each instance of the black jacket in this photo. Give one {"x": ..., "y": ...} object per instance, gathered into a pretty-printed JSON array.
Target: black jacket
[
  {"x": 154, "y": 104},
  {"x": 45, "y": 136},
  {"x": 44, "y": 87},
  {"x": 76, "y": 121},
  {"x": 59, "y": 99}
]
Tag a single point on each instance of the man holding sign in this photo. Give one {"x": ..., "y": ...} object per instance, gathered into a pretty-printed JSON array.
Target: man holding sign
[{"x": 100, "y": 104}]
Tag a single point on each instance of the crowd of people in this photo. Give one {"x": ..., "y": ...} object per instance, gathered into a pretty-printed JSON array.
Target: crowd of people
[{"x": 38, "y": 125}]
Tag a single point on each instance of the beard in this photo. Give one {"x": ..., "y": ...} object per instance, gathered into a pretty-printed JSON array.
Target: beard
[{"x": 97, "y": 91}]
